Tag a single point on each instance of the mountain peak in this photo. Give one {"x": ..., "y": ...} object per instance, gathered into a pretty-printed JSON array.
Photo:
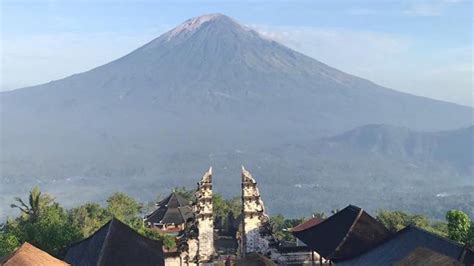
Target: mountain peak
[{"x": 192, "y": 24}]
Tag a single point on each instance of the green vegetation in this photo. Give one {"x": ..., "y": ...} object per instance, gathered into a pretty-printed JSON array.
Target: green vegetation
[
  {"x": 397, "y": 220},
  {"x": 47, "y": 225},
  {"x": 459, "y": 225},
  {"x": 42, "y": 222},
  {"x": 280, "y": 225}
]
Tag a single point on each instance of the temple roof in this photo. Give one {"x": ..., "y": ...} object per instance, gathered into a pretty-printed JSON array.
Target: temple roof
[
  {"x": 29, "y": 255},
  {"x": 424, "y": 256},
  {"x": 306, "y": 224},
  {"x": 173, "y": 209},
  {"x": 344, "y": 235},
  {"x": 116, "y": 244},
  {"x": 405, "y": 242}
]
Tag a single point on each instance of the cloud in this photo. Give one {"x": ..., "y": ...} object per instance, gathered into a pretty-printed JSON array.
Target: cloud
[
  {"x": 343, "y": 48},
  {"x": 393, "y": 61}
]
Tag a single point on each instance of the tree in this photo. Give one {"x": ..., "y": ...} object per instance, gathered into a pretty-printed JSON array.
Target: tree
[
  {"x": 169, "y": 241},
  {"x": 36, "y": 201},
  {"x": 88, "y": 218},
  {"x": 235, "y": 206},
  {"x": 280, "y": 226},
  {"x": 52, "y": 231},
  {"x": 9, "y": 240},
  {"x": 393, "y": 220},
  {"x": 397, "y": 220},
  {"x": 187, "y": 194},
  {"x": 458, "y": 225},
  {"x": 123, "y": 207},
  {"x": 320, "y": 215},
  {"x": 43, "y": 223}
]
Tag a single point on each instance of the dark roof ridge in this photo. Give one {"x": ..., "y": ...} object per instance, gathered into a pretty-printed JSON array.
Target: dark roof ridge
[
  {"x": 180, "y": 199},
  {"x": 352, "y": 207},
  {"x": 91, "y": 235},
  {"x": 106, "y": 240},
  {"x": 348, "y": 231},
  {"x": 433, "y": 234},
  {"x": 403, "y": 231}
]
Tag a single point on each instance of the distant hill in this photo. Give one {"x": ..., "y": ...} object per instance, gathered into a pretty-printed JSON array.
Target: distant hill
[
  {"x": 455, "y": 147},
  {"x": 212, "y": 91}
]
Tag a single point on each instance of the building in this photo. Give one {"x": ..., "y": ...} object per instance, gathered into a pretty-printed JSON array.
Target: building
[
  {"x": 404, "y": 243},
  {"x": 425, "y": 256},
  {"x": 303, "y": 226},
  {"x": 116, "y": 244},
  {"x": 344, "y": 235},
  {"x": 29, "y": 255},
  {"x": 204, "y": 218},
  {"x": 300, "y": 254},
  {"x": 255, "y": 234},
  {"x": 171, "y": 214},
  {"x": 196, "y": 242}
]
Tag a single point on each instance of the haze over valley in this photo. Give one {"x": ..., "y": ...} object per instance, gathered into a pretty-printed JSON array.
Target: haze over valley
[{"x": 214, "y": 92}]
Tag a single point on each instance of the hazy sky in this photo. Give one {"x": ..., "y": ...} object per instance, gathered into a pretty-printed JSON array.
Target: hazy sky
[{"x": 420, "y": 47}]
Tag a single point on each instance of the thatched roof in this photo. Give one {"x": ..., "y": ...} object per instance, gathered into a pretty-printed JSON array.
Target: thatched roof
[
  {"x": 173, "y": 209},
  {"x": 425, "y": 256},
  {"x": 306, "y": 224},
  {"x": 116, "y": 244},
  {"x": 404, "y": 242},
  {"x": 467, "y": 256},
  {"x": 29, "y": 255},
  {"x": 344, "y": 235}
]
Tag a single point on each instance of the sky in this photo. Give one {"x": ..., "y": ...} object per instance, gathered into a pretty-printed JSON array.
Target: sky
[{"x": 420, "y": 47}]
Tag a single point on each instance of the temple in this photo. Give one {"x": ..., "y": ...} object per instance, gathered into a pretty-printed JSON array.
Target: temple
[
  {"x": 196, "y": 243},
  {"x": 171, "y": 215},
  {"x": 255, "y": 234},
  {"x": 349, "y": 237}
]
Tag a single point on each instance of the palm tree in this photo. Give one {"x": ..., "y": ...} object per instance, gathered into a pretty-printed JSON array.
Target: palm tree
[{"x": 35, "y": 200}]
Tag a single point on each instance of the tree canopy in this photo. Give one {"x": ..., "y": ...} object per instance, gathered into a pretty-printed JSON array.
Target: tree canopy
[{"x": 47, "y": 225}]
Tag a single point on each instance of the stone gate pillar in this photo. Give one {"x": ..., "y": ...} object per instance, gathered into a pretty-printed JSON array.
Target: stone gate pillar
[
  {"x": 256, "y": 234},
  {"x": 205, "y": 218}
]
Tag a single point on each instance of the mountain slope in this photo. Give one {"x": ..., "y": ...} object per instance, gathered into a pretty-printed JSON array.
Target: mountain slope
[
  {"x": 212, "y": 64},
  {"x": 209, "y": 91},
  {"x": 455, "y": 147}
]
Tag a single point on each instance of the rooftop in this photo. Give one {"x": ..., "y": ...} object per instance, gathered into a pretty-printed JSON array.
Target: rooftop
[
  {"x": 29, "y": 255},
  {"x": 116, "y": 244},
  {"x": 344, "y": 235}
]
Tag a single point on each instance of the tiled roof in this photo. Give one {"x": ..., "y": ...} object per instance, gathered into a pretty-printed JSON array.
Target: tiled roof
[
  {"x": 29, "y": 255},
  {"x": 424, "y": 256},
  {"x": 173, "y": 209},
  {"x": 306, "y": 224},
  {"x": 115, "y": 244},
  {"x": 404, "y": 242},
  {"x": 344, "y": 235}
]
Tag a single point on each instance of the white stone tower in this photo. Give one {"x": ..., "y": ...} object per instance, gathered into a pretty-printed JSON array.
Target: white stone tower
[
  {"x": 255, "y": 234},
  {"x": 205, "y": 219}
]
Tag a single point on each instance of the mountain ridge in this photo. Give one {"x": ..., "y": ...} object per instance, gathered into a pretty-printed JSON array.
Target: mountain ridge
[{"x": 175, "y": 104}]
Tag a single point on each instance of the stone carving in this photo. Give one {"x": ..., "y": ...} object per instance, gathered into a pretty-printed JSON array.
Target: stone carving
[
  {"x": 196, "y": 244},
  {"x": 204, "y": 218},
  {"x": 256, "y": 233}
]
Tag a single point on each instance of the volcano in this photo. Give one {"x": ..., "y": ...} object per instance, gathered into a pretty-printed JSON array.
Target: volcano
[{"x": 210, "y": 91}]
